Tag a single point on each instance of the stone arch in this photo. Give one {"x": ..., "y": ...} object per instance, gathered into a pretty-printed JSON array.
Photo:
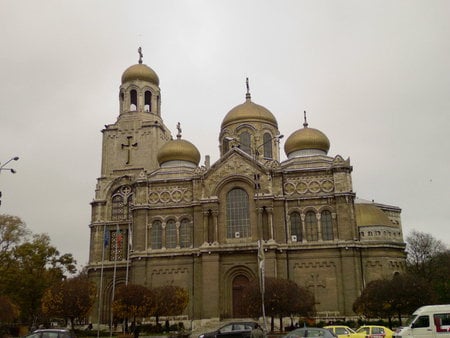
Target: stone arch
[
  {"x": 234, "y": 281},
  {"x": 107, "y": 298}
]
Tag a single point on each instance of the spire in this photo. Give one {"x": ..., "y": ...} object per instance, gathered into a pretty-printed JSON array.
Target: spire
[
  {"x": 179, "y": 131},
  {"x": 305, "y": 124},
  {"x": 140, "y": 55},
  {"x": 247, "y": 95}
]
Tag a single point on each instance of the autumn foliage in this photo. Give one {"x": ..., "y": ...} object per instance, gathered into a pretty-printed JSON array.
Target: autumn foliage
[
  {"x": 282, "y": 298},
  {"x": 8, "y": 310},
  {"x": 71, "y": 299},
  {"x": 132, "y": 300}
]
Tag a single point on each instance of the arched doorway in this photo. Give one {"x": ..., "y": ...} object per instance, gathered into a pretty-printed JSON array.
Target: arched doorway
[{"x": 239, "y": 284}]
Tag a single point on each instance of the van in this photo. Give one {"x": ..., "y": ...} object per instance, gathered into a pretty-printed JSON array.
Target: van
[{"x": 431, "y": 321}]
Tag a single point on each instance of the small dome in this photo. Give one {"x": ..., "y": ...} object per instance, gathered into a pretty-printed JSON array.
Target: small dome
[
  {"x": 178, "y": 150},
  {"x": 249, "y": 111},
  {"x": 140, "y": 72},
  {"x": 368, "y": 214},
  {"x": 306, "y": 139}
]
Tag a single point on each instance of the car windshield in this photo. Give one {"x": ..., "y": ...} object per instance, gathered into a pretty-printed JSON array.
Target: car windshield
[
  {"x": 316, "y": 333},
  {"x": 410, "y": 320},
  {"x": 364, "y": 330},
  {"x": 343, "y": 330},
  {"x": 227, "y": 328}
]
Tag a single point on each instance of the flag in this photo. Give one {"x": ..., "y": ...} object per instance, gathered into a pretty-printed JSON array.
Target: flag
[
  {"x": 130, "y": 237},
  {"x": 261, "y": 266},
  {"x": 106, "y": 238},
  {"x": 119, "y": 239}
]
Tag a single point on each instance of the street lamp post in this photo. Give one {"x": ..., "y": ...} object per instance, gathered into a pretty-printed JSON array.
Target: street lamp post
[
  {"x": 255, "y": 150},
  {"x": 276, "y": 137},
  {"x": 11, "y": 170},
  {"x": 2, "y": 167}
]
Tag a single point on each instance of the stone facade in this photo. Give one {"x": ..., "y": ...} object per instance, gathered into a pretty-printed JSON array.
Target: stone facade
[{"x": 162, "y": 219}]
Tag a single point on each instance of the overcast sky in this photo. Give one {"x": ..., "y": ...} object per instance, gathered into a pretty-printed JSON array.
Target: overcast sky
[{"x": 374, "y": 76}]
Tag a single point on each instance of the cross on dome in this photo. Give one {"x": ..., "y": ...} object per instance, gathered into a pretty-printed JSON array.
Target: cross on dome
[{"x": 140, "y": 55}]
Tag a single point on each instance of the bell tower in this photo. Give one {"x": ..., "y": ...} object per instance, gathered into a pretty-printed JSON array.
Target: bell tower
[{"x": 133, "y": 141}]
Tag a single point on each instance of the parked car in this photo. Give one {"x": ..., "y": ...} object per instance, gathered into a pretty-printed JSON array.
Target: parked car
[
  {"x": 231, "y": 330},
  {"x": 51, "y": 333},
  {"x": 345, "y": 332},
  {"x": 430, "y": 321},
  {"x": 376, "y": 331},
  {"x": 310, "y": 332}
]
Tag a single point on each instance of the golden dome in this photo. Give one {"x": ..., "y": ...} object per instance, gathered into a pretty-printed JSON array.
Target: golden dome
[
  {"x": 140, "y": 72},
  {"x": 306, "y": 138},
  {"x": 369, "y": 214},
  {"x": 249, "y": 111},
  {"x": 178, "y": 150}
]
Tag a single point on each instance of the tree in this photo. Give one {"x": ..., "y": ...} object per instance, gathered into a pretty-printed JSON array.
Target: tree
[
  {"x": 383, "y": 298},
  {"x": 8, "y": 310},
  {"x": 32, "y": 267},
  {"x": 170, "y": 300},
  {"x": 440, "y": 267},
  {"x": 428, "y": 259},
  {"x": 71, "y": 299},
  {"x": 421, "y": 248},
  {"x": 13, "y": 231},
  {"x": 132, "y": 301},
  {"x": 282, "y": 297},
  {"x": 370, "y": 302}
]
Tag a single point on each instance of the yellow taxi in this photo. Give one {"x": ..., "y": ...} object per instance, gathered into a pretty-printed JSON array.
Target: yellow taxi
[
  {"x": 344, "y": 331},
  {"x": 376, "y": 331}
]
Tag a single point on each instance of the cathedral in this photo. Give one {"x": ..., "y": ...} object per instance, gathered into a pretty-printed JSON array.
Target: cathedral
[{"x": 160, "y": 217}]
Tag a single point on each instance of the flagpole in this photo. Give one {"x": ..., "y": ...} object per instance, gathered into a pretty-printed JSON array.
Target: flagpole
[
  {"x": 100, "y": 292},
  {"x": 128, "y": 252},
  {"x": 261, "y": 263},
  {"x": 114, "y": 282}
]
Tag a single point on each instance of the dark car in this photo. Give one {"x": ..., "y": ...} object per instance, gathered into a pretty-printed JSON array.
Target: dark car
[
  {"x": 231, "y": 330},
  {"x": 310, "y": 332},
  {"x": 51, "y": 333}
]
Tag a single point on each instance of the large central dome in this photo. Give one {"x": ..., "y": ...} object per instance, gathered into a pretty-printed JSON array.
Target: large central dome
[{"x": 249, "y": 111}]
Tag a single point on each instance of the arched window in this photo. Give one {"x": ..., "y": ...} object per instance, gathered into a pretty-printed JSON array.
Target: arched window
[
  {"x": 296, "y": 227},
  {"x": 245, "y": 142},
  {"x": 311, "y": 226},
  {"x": 327, "y": 225},
  {"x": 185, "y": 234},
  {"x": 133, "y": 100},
  {"x": 156, "y": 235},
  {"x": 120, "y": 204},
  {"x": 171, "y": 234},
  {"x": 267, "y": 145},
  {"x": 118, "y": 208},
  {"x": 148, "y": 101},
  {"x": 238, "y": 220}
]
